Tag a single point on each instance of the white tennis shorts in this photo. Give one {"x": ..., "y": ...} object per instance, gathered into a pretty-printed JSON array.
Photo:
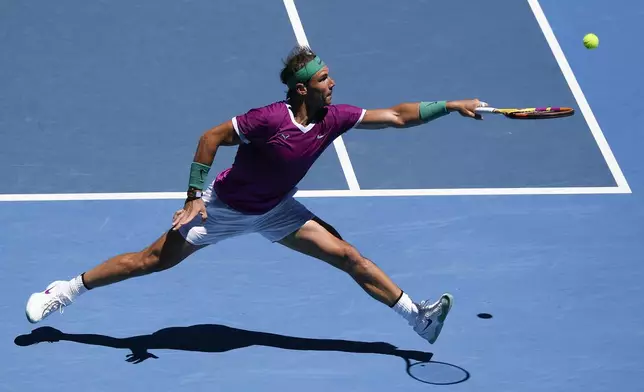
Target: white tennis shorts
[{"x": 224, "y": 222}]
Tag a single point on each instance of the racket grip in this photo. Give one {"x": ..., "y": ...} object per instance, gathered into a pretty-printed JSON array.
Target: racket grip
[{"x": 485, "y": 109}]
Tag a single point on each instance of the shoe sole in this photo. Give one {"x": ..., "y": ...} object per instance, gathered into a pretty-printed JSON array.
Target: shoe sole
[
  {"x": 33, "y": 321},
  {"x": 444, "y": 312}
]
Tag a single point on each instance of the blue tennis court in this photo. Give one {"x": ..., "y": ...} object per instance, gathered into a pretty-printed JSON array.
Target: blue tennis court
[{"x": 538, "y": 223}]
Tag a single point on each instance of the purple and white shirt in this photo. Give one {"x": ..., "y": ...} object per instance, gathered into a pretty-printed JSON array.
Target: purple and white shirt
[{"x": 276, "y": 153}]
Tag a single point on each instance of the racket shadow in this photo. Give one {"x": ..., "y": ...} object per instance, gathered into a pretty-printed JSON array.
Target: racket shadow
[
  {"x": 214, "y": 338},
  {"x": 436, "y": 372}
]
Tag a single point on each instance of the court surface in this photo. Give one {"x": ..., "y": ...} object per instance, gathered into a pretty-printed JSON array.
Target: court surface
[{"x": 538, "y": 223}]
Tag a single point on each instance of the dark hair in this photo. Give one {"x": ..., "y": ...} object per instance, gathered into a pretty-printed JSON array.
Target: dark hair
[{"x": 295, "y": 61}]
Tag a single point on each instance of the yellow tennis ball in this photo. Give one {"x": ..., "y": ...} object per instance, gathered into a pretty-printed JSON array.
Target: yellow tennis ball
[{"x": 591, "y": 41}]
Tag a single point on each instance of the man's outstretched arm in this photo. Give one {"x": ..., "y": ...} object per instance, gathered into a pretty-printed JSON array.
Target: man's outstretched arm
[{"x": 411, "y": 114}]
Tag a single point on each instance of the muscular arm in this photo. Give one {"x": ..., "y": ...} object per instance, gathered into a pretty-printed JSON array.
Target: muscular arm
[
  {"x": 407, "y": 114},
  {"x": 222, "y": 135}
]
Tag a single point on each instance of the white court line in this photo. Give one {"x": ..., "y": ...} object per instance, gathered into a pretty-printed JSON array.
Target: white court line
[
  {"x": 338, "y": 143},
  {"x": 579, "y": 96},
  {"x": 324, "y": 193}
]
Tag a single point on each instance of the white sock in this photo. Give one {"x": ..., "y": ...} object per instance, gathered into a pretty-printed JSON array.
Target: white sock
[
  {"x": 76, "y": 287},
  {"x": 406, "y": 308}
]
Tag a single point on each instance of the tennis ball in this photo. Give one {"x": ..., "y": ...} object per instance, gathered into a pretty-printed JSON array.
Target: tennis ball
[{"x": 591, "y": 41}]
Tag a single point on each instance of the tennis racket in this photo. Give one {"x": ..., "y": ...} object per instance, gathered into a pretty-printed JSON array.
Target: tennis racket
[{"x": 528, "y": 113}]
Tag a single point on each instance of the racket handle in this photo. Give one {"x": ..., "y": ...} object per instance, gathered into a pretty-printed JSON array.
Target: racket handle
[{"x": 485, "y": 109}]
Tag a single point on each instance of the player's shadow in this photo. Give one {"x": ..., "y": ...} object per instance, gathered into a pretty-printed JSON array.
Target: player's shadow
[{"x": 215, "y": 338}]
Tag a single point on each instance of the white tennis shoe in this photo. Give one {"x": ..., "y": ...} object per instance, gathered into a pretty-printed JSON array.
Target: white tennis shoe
[
  {"x": 431, "y": 317},
  {"x": 42, "y": 304}
]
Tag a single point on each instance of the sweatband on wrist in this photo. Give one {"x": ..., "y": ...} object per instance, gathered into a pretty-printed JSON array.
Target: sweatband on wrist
[
  {"x": 306, "y": 73},
  {"x": 432, "y": 110},
  {"x": 198, "y": 175}
]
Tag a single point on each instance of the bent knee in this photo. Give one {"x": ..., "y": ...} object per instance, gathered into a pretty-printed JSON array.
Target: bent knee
[
  {"x": 144, "y": 262},
  {"x": 352, "y": 261},
  {"x": 151, "y": 261}
]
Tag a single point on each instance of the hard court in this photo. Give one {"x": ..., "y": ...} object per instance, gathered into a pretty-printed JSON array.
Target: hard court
[{"x": 537, "y": 223}]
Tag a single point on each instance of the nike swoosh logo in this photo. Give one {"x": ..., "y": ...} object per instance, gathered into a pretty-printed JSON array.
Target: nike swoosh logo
[
  {"x": 429, "y": 322},
  {"x": 320, "y": 136},
  {"x": 48, "y": 291}
]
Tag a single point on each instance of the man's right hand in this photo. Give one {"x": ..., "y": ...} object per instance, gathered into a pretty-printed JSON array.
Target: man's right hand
[
  {"x": 190, "y": 210},
  {"x": 466, "y": 107}
]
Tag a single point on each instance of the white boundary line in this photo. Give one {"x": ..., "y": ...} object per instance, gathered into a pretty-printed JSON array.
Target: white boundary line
[
  {"x": 340, "y": 148},
  {"x": 579, "y": 96},
  {"x": 324, "y": 193}
]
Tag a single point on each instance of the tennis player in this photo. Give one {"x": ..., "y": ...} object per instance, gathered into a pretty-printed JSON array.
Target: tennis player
[{"x": 278, "y": 143}]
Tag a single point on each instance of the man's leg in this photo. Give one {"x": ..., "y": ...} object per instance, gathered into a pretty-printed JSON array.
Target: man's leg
[
  {"x": 315, "y": 239},
  {"x": 166, "y": 252}
]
